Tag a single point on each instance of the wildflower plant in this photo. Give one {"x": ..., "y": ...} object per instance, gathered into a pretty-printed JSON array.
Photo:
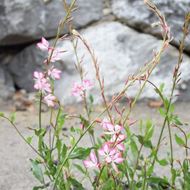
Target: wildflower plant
[{"x": 114, "y": 160}]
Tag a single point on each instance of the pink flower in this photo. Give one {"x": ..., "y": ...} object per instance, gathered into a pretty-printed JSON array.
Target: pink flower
[
  {"x": 43, "y": 45},
  {"x": 87, "y": 84},
  {"x": 110, "y": 128},
  {"x": 41, "y": 82},
  {"x": 54, "y": 73},
  {"x": 38, "y": 75},
  {"x": 106, "y": 125},
  {"x": 117, "y": 140},
  {"x": 92, "y": 161},
  {"x": 111, "y": 155},
  {"x": 77, "y": 90},
  {"x": 55, "y": 54},
  {"x": 107, "y": 151},
  {"x": 116, "y": 159},
  {"x": 50, "y": 100}
]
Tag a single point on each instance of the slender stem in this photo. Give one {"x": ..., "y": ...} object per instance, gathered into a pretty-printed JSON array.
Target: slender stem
[
  {"x": 61, "y": 27},
  {"x": 136, "y": 165},
  {"x": 186, "y": 140},
  {"x": 19, "y": 133},
  {"x": 40, "y": 111},
  {"x": 97, "y": 70},
  {"x": 171, "y": 145},
  {"x": 55, "y": 126},
  {"x": 175, "y": 79},
  {"x": 155, "y": 62},
  {"x": 145, "y": 176},
  {"x": 99, "y": 176}
]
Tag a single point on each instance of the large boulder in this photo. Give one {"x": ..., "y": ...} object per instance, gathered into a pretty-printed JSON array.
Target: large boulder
[
  {"x": 6, "y": 84},
  {"x": 135, "y": 14},
  {"x": 120, "y": 51},
  {"x": 25, "y": 21}
]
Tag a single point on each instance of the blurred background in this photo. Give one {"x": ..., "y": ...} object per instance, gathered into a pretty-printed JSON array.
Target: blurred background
[{"x": 119, "y": 31}]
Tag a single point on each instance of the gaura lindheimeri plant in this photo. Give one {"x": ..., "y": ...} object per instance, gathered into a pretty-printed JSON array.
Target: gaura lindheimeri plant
[{"x": 114, "y": 160}]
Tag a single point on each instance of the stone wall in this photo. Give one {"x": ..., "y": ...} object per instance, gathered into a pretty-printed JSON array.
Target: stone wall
[{"x": 119, "y": 31}]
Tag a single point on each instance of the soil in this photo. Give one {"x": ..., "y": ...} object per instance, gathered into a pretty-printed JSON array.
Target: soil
[{"x": 15, "y": 173}]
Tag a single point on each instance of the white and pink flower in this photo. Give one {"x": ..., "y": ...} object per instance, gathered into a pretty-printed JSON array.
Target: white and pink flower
[
  {"x": 54, "y": 73},
  {"x": 79, "y": 89},
  {"x": 92, "y": 161},
  {"x": 52, "y": 53},
  {"x": 43, "y": 45},
  {"x": 50, "y": 100},
  {"x": 41, "y": 83},
  {"x": 111, "y": 155},
  {"x": 117, "y": 141},
  {"x": 87, "y": 84},
  {"x": 110, "y": 128}
]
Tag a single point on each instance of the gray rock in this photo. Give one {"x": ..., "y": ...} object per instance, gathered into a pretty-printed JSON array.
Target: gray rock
[
  {"x": 120, "y": 51},
  {"x": 6, "y": 85},
  {"x": 24, "y": 64},
  {"x": 24, "y": 21},
  {"x": 137, "y": 15}
]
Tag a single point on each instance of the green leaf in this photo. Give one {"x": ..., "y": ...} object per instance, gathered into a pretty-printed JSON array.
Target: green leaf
[
  {"x": 161, "y": 87},
  {"x": 149, "y": 131},
  {"x": 176, "y": 120},
  {"x": 39, "y": 187},
  {"x": 72, "y": 129},
  {"x": 75, "y": 183},
  {"x": 108, "y": 185},
  {"x": 134, "y": 148},
  {"x": 179, "y": 140},
  {"x": 162, "y": 112},
  {"x": 162, "y": 162},
  {"x": 80, "y": 168},
  {"x": 12, "y": 117},
  {"x": 80, "y": 153},
  {"x": 60, "y": 123},
  {"x": 29, "y": 139},
  {"x": 37, "y": 172},
  {"x": 59, "y": 146},
  {"x": 64, "y": 151},
  {"x": 144, "y": 142},
  {"x": 91, "y": 99},
  {"x": 150, "y": 170},
  {"x": 1, "y": 114},
  {"x": 157, "y": 180}
]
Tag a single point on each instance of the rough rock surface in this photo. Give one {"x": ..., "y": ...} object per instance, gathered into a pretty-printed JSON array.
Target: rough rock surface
[
  {"x": 24, "y": 21},
  {"x": 120, "y": 52},
  {"x": 6, "y": 84},
  {"x": 137, "y": 15}
]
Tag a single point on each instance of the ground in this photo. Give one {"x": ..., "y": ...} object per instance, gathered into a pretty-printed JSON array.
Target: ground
[{"x": 15, "y": 171}]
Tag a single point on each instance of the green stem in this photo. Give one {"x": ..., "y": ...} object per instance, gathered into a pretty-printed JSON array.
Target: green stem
[
  {"x": 19, "y": 133},
  {"x": 136, "y": 165},
  {"x": 99, "y": 176},
  {"x": 40, "y": 111},
  {"x": 145, "y": 176}
]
